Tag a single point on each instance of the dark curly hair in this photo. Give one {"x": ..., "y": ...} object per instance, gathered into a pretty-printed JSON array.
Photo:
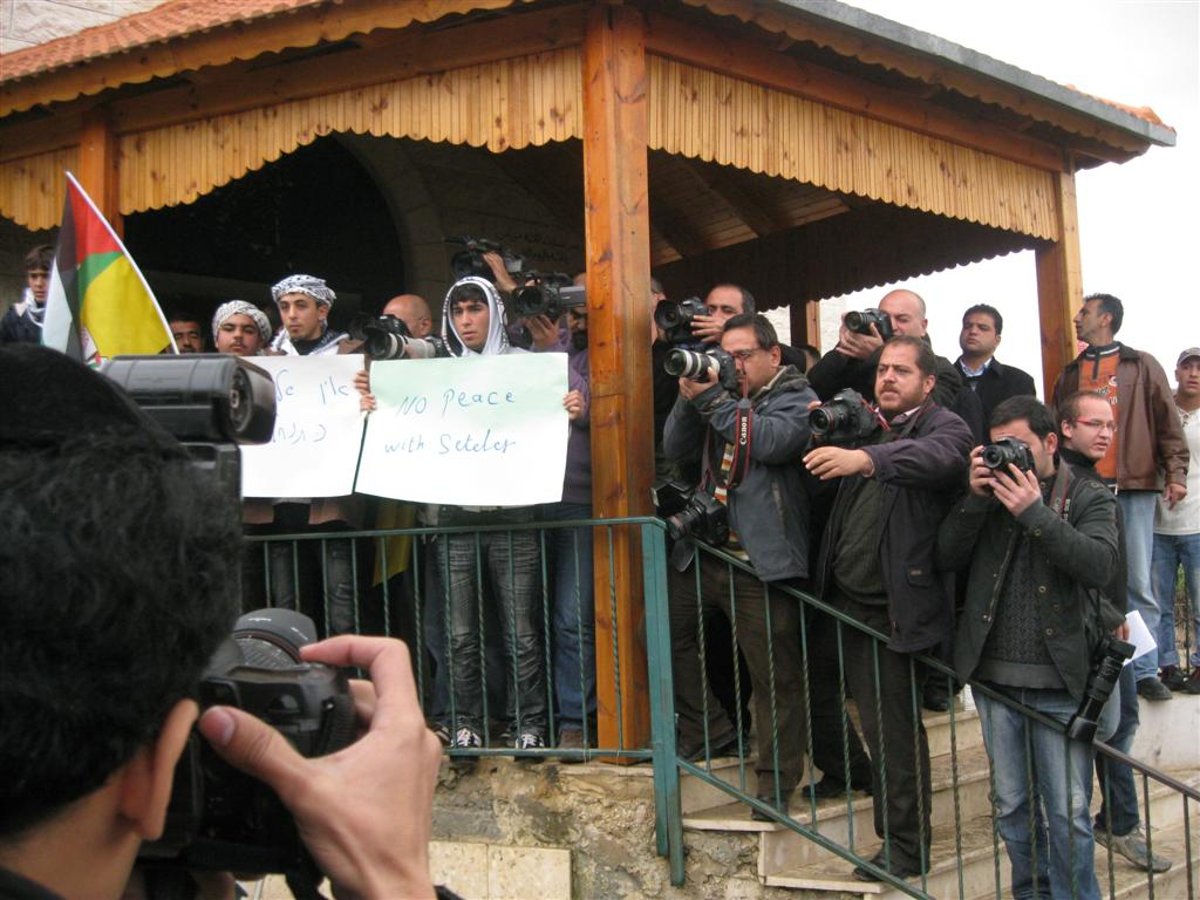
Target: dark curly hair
[{"x": 118, "y": 577}]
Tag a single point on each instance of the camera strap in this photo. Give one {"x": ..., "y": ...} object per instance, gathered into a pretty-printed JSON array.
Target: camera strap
[
  {"x": 742, "y": 420},
  {"x": 1060, "y": 503}
]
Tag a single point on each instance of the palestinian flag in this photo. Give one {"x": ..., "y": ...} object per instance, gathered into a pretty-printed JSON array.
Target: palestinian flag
[{"x": 98, "y": 305}]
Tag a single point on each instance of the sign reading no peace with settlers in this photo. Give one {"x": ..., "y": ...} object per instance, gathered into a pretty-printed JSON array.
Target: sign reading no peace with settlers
[{"x": 475, "y": 431}]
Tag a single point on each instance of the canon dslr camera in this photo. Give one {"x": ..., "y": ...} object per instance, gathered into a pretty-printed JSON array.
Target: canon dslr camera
[
  {"x": 222, "y": 819},
  {"x": 694, "y": 364},
  {"x": 861, "y": 322},
  {"x": 687, "y": 511},
  {"x": 846, "y": 419},
  {"x": 387, "y": 337},
  {"x": 1008, "y": 451}
]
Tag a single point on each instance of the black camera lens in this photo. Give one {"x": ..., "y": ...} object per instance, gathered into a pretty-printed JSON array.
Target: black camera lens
[{"x": 272, "y": 638}]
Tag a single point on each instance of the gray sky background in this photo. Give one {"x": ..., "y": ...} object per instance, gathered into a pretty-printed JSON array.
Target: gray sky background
[{"x": 1138, "y": 222}]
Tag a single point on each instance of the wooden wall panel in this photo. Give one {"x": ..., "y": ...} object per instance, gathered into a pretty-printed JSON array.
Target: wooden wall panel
[
  {"x": 32, "y": 189},
  {"x": 503, "y": 105},
  {"x": 711, "y": 116}
]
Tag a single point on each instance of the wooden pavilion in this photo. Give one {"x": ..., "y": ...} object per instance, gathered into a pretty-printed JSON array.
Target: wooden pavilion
[{"x": 803, "y": 148}]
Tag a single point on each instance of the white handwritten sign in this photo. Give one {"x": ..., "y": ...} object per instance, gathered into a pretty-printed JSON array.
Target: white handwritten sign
[
  {"x": 479, "y": 431},
  {"x": 318, "y": 429}
]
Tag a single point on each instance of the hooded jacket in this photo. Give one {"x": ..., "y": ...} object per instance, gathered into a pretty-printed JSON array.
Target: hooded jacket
[{"x": 497, "y": 337}]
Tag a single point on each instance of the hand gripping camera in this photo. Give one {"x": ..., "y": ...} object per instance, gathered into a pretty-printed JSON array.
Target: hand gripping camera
[{"x": 847, "y": 419}]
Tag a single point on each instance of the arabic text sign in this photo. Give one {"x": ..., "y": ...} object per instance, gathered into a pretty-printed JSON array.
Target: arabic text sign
[
  {"x": 478, "y": 431},
  {"x": 318, "y": 429}
]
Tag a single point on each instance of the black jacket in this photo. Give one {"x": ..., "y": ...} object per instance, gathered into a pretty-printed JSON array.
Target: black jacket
[
  {"x": 1073, "y": 558},
  {"x": 922, "y": 472},
  {"x": 996, "y": 384}
]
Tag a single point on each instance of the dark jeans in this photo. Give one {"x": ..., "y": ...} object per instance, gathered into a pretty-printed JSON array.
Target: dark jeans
[
  {"x": 888, "y": 695},
  {"x": 767, "y": 624},
  {"x": 299, "y": 568},
  {"x": 1117, "y": 791},
  {"x": 509, "y": 562},
  {"x": 573, "y": 614}
]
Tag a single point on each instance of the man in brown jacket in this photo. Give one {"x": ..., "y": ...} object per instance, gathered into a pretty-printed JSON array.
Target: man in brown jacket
[{"x": 1148, "y": 454}]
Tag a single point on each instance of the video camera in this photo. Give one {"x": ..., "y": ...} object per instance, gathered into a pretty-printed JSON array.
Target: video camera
[
  {"x": 674, "y": 319},
  {"x": 861, "y": 322},
  {"x": 694, "y": 364},
  {"x": 1008, "y": 451},
  {"x": 387, "y": 337},
  {"x": 470, "y": 261},
  {"x": 687, "y": 511},
  {"x": 846, "y": 419},
  {"x": 547, "y": 295},
  {"x": 219, "y": 818}
]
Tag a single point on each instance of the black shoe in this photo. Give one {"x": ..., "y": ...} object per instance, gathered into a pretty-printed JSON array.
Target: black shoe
[
  {"x": 935, "y": 697},
  {"x": 1172, "y": 678},
  {"x": 898, "y": 869},
  {"x": 1154, "y": 690},
  {"x": 727, "y": 746},
  {"x": 769, "y": 799},
  {"x": 1192, "y": 685},
  {"x": 829, "y": 786}
]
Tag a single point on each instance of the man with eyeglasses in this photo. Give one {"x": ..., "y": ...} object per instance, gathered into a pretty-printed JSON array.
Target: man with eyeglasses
[
  {"x": 1147, "y": 456},
  {"x": 756, "y": 483},
  {"x": 1086, "y": 428}
]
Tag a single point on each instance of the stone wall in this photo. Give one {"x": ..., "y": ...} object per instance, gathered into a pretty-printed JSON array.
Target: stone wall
[
  {"x": 26, "y": 23},
  {"x": 602, "y": 815}
]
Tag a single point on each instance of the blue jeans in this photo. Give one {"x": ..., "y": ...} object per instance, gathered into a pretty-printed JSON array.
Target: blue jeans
[
  {"x": 1118, "y": 795},
  {"x": 1170, "y": 552},
  {"x": 509, "y": 562},
  {"x": 1044, "y": 780},
  {"x": 573, "y": 614},
  {"x": 1137, "y": 508},
  {"x": 336, "y": 611}
]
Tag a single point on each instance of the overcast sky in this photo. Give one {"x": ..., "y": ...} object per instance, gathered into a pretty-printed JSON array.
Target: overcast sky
[{"x": 1138, "y": 222}]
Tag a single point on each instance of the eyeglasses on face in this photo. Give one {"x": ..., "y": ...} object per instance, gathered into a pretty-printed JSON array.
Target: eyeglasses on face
[{"x": 1098, "y": 424}]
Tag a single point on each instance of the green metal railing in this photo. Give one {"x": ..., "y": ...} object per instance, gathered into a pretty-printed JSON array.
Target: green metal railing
[{"x": 418, "y": 593}]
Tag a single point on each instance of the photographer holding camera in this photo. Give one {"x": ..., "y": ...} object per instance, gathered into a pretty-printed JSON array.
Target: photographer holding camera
[
  {"x": 1042, "y": 542},
  {"x": 115, "y": 591},
  {"x": 756, "y": 482},
  {"x": 877, "y": 566}
]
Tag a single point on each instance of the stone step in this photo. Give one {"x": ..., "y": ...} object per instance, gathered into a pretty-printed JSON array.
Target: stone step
[
  {"x": 981, "y": 870},
  {"x": 833, "y": 818},
  {"x": 958, "y": 729},
  {"x": 1166, "y": 804}
]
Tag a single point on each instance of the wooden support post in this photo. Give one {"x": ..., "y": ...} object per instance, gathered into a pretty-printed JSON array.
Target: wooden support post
[
  {"x": 98, "y": 166},
  {"x": 805, "y": 319},
  {"x": 1060, "y": 286},
  {"x": 617, "y": 244}
]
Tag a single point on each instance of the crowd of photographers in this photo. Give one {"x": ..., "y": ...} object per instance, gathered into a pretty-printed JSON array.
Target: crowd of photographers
[{"x": 938, "y": 503}]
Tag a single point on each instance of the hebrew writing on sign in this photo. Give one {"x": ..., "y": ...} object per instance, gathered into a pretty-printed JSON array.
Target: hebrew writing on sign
[
  {"x": 479, "y": 431},
  {"x": 318, "y": 429}
]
